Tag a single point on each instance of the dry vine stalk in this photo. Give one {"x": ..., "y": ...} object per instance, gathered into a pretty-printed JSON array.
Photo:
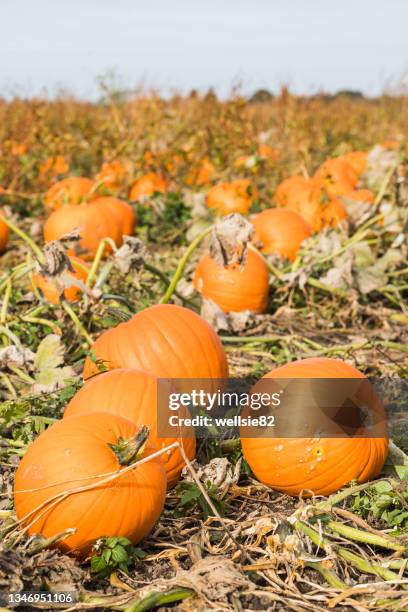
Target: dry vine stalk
[
  {"x": 56, "y": 258},
  {"x": 229, "y": 240}
]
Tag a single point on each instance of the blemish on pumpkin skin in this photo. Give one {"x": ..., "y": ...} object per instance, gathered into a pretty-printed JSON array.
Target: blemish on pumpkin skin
[{"x": 278, "y": 448}]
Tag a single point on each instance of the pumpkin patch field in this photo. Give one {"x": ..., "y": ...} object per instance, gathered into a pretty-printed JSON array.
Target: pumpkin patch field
[{"x": 153, "y": 242}]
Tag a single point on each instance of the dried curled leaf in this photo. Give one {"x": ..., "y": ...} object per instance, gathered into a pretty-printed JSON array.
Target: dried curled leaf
[
  {"x": 131, "y": 255},
  {"x": 16, "y": 355},
  {"x": 380, "y": 162},
  {"x": 214, "y": 578},
  {"x": 50, "y": 373},
  {"x": 56, "y": 258},
  {"x": 219, "y": 472},
  {"x": 229, "y": 240}
]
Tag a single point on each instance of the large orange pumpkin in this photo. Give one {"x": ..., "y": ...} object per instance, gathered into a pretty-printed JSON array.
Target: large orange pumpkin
[
  {"x": 234, "y": 288},
  {"x": 94, "y": 223},
  {"x": 166, "y": 340},
  {"x": 281, "y": 232},
  {"x": 121, "y": 211},
  {"x": 302, "y": 196},
  {"x": 336, "y": 177},
  {"x": 321, "y": 465},
  {"x": 51, "y": 288},
  {"x": 226, "y": 198},
  {"x": 70, "y": 191},
  {"x": 4, "y": 234},
  {"x": 75, "y": 453},
  {"x": 146, "y": 186},
  {"x": 134, "y": 395}
]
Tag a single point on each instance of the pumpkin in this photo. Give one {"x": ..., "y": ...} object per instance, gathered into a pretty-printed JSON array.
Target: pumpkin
[
  {"x": 288, "y": 186},
  {"x": 94, "y": 223},
  {"x": 52, "y": 288},
  {"x": 321, "y": 465},
  {"x": 53, "y": 166},
  {"x": 267, "y": 152},
  {"x": 226, "y": 198},
  {"x": 74, "y": 453},
  {"x": 234, "y": 288},
  {"x": 203, "y": 174},
  {"x": 357, "y": 160},
  {"x": 333, "y": 213},
  {"x": 359, "y": 195},
  {"x": 336, "y": 177},
  {"x": 133, "y": 394},
  {"x": 281, "y": 232},
  {"x": 4, "y": 234},
  {"x": 302, "y": 196},
  {"x": 121, "y": 211},
  {"x": 71, "y": 191},
  {"x": 146, "y": 186},
  {"x": 112, "y": 175},
  {"x": 166, "y": 340}
]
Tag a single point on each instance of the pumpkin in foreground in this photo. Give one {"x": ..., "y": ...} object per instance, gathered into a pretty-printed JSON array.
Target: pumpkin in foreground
[
  {"x": 58, "y": 484},
  {"x": 321, "y": 465},
  {"x": 166, "y": 340},
  {"x": 281, "y": 232},
  {"x": 236, "y": 287},
  {"x": 134, "y": 395},
  {"x": 53, "y": 288}
]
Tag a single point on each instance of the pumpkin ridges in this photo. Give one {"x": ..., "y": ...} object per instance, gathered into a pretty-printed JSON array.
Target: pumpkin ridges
[
  {"x": 234, "y": 288},
  {"x": 133, "y": 394},
  {"x": 281, "y": 231},
  {"x": 363, "y": 457},
  {"x": 77, "y": 448}
]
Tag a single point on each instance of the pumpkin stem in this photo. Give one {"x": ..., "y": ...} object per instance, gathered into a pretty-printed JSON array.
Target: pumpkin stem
[{"x": 129, "y": 451}]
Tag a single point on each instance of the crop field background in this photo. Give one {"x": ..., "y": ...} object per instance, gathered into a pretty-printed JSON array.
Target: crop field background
[{"x": 224, "y": 540}]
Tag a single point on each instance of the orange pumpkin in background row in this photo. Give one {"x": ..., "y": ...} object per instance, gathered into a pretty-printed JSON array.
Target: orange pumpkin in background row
[
  {"x": 226, "y": 198},
  {"x": 121, "y": 211},
  {"x": 102, "y": 218},
  {"x": 281, "y": 232},
  {"x": 234, "y": 288},
  {"x": 334, "y": 213},
  {"x": 113, "y": 175},
  {"x": 336, "y": 177},
  {"x": 267, "y": 152},
  {"x": 52, "y": 288},
  {"x": 70, "y": 191},
  {"x": 321, "y": 465},
  {"x": 204, "y": 174},
  {"x": 301, "y": 196},
  {"x": 4, "y": 234},
  {"x": 146, "y": 186},
  {"x": 74, "y": 453},
  {"x": 357, "y": 160},
  {"x": 133, "y": 394},
  {"x": 359, "y": 195},
  {"x": 166, "y": 340}
]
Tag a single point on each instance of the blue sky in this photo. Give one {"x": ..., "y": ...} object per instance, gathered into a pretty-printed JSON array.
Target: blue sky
[{"x": 184, "y": 44}]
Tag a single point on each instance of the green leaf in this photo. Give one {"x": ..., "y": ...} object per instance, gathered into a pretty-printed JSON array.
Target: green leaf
[
  {"x": 119, "y": 554},
  {"x": 98, "y": 564}
]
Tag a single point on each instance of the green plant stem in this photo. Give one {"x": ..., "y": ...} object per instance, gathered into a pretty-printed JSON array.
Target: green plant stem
[
  {"x": 181, "y": 265},
  {"x": 6, "y": 301},
  {"x": 271, "y": 267},
  {"x": 359, "y": 562},
  {"x": 77, "y": 322},
  {"x": 330, "y": 577},
  {"x": 35, "y": 249},
  {"x": 25, "y": 377},
  {"x": 359, "y": 535},
  {"x": 157, "y": 599},
  {"x": 97, "y": 259},
  {"x": 166, "y": 282}
]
